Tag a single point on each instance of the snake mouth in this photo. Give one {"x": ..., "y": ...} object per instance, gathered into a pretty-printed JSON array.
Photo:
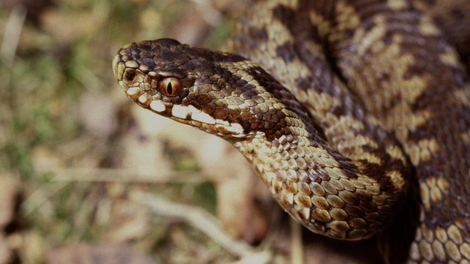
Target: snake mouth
[
  {"x": 185, "y": 114},
  {"x": 189, "y": 114}
]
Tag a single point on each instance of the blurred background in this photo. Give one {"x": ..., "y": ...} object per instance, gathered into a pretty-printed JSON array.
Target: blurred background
[{"x": 81, "y": 166}]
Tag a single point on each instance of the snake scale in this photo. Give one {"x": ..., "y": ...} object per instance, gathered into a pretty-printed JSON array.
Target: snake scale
[{"x": 356, "y": 114}]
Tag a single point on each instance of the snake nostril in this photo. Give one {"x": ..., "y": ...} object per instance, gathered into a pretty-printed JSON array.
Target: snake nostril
[{"x": 130, "y": 75}]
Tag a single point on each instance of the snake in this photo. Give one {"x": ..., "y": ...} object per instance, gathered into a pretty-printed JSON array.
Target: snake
[{"x": 355, "y": 113}]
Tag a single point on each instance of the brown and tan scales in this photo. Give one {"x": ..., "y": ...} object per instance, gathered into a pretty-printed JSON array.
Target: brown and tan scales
[{"x": 356, "y": 74}]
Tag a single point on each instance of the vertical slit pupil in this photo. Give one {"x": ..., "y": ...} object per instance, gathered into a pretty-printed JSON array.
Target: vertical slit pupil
[{"x": 170, "y": 88}]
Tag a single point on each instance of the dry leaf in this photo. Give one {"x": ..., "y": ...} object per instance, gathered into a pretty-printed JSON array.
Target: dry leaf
[
  {"x": 98, "y": 114},
  {"x": 144, "y": 156}
]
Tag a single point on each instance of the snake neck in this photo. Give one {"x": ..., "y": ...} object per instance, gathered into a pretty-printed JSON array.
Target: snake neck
[{"x": 324, "y": 191}]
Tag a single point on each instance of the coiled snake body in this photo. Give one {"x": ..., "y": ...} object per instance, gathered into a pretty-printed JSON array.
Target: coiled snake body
[{"x": 361, "y": 127}]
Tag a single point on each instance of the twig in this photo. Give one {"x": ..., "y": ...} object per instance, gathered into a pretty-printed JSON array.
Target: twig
[
  {"x": 204, "y": 222},
  {"x": 12, "y": 35},
  {"x": 40, "y": 197},
  {"x": 297, "y": 254},
  {"x": 122, "y": 175}
]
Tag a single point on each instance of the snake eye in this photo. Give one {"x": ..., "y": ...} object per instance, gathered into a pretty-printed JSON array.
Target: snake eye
[{"x": 170, "y": 87}]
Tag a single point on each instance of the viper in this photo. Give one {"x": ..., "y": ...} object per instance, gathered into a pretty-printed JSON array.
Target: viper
[{"x": 356, "y": 115}]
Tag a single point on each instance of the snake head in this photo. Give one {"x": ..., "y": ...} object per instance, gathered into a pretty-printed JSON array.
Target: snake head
[
  {"x": 153, "y": 74},
  {"x": 213, "y": 91}
]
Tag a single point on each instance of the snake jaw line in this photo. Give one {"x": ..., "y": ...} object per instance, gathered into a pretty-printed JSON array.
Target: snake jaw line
[
  {"x": 180, "y": 111},
  {"x": 203, "y": 117},
  {"x": 157, "y": 106},
  {"x": 193, "y": 109}
]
